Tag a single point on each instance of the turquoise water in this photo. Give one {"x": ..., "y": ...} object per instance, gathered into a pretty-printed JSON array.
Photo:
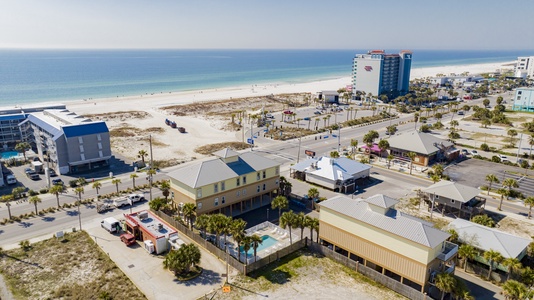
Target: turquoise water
[
  {"x": 268, "y": 242},
  {"x": 33, "y": 76},
  {"x": 9, "y": 154}
]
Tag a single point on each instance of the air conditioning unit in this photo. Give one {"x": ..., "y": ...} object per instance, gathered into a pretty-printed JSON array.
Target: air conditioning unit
[
  {"x": 143, "y": 215},
  {"x": 160, "y": 226}
]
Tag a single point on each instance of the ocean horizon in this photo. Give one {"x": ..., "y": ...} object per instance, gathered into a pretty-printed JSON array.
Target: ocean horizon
[{"x": 30, "y": 76}]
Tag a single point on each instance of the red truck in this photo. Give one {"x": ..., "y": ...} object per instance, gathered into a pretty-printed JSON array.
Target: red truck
[{"x": 127, "y": 239}]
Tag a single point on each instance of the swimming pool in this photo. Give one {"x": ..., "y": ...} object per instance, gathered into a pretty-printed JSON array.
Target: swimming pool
[
  {"x": 9, "y": 154},
  {"x": 268, "y": 241}
]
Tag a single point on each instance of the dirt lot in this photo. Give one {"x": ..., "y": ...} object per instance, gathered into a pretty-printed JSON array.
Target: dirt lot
[{"x": 70, "y": 268}]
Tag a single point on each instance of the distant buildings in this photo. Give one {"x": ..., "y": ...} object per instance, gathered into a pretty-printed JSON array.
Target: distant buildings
[
  {"x": 400, "y": 246},
  {"x": 524, "y": 67},
  {"x": 337, "y": 174},
  {"x": 524, "y": 99},
  {"x": 429, "y": 149},
  {"x": 379, "y": 73},
  {"x": 70, "y": 143},
  {"x": 231, "y": 183}
]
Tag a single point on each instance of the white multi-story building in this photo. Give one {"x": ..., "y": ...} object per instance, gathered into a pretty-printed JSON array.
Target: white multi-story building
[
  {"x": 524, "y": 100},
  {"x": 524, "y": 67},
  {"x": 379, "y": 73}
]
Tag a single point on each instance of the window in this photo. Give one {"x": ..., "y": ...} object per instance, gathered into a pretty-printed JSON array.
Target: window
[
  {"x": 258, "y": 176},
  {"x": 216, "y": 188},
  {"x": 276, "y": 182},
  {"x": 264, "y": 173},
  {"x": 216, "y": 201},
  {"x": 277, "y": 170},
  {"x": 199, "y": 193},
  {"x": 452, "y": 201},
  {"x": 199, "y": 205},
  {"x": 264, "y": 186},
  {"x": 244, "y": 192},
  {"x": 237, "y": 194},
  {"x": 258, "y": 189},
  {"x": 244, "y": 179},
  {"x": 237, "y": 181},
  {"x": 223, "y": 199},
  {"x": 519, "y": 92},
  {"x": 223, "y": 186},
  {"x": 80, "y": 140}
]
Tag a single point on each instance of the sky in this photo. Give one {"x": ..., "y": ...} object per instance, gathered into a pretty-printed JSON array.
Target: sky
[{"x": 272, "y": 24}]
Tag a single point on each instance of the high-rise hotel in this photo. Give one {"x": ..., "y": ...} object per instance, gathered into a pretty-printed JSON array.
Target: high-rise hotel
[{"x": 379, "y": 73}]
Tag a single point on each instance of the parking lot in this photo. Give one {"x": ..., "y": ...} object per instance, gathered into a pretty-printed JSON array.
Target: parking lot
[{"x": 146, "y": 270}]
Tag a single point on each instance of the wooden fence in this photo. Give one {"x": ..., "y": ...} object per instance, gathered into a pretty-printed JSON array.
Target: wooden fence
[{"x": 368, "y": 272}]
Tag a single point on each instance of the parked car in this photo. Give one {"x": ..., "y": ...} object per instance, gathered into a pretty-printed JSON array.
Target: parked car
[
  {"x": 474, "y": 152},
  {"x": 128, "y": 239},
  {"x": 503, "y": 157},
  {"x": 269, "y": 116},
  {"x": 317, "y": 112},
  {"x": 52, "y": 172},
  {"x": 464, "y": 152},
  {"x": 11, "y": 179},
  {"x": 57, "y": 181}
]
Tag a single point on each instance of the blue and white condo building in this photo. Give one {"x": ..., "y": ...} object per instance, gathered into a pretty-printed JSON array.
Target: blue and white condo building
[
  {"x": 524, "y": 99},
  {"x": 379, "y": 73}
]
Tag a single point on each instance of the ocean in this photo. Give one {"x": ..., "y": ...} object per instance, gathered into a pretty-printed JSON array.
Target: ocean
[{"x": 33, "y": 76}]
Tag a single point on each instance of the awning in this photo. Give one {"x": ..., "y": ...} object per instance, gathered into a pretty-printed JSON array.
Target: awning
[{"x": 131, "y": 224}]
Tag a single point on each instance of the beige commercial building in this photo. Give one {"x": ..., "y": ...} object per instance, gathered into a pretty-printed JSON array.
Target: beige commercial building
[
  {"x": 428, "y": 148},
  {"x": 372, "y": 232},
  {"x": 231, "y": 183}
]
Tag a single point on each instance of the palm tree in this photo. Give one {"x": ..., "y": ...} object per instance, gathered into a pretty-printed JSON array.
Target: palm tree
[
  {"x": 389, "y": 159},
  {"x": 218, "y": 222},
  {"x": 237, "y": 229},
  {"x": 467, "y": 252},
  {"x": 509, "y": 183},
  {"x": 513, "y": 264},
  {"x": 23, "y": 147},
  {"x": 445, "y": 282},
  {"x": 97, "y": 185},
  {"x": 492, "y": 257},
  {"x": 133, "y": 176},
  {"x": 354, "y": 145},
  {"x": 189, "y": 213},
  {"x": 313, "y": 224},
  {"x": 151, "y": 172},
  {"x": 256, "y": 241},
  {"x": 515, "y": 290},
  {"x": 512, "y": 133},
  {"x": 55, "y": 190},
  {"x": 142, "y": 154},
  {"x": 383, "y": 145},
  {"x": 280, "y": 202},
  {"x": 288, "y": 219},
  {"x": 165, "y": 187},
  {"x": 301, "y": 223},
  {"x": 116, "y": 182},
  {"x": 313, "y": 193},
  {"x": 491, "y": 179},
  {"x": 369, "y": 139},
  {"x": 181, "y": 260},
  {"x": 412, "y": 156},
  {"x": 247, "y": 244},
  {"x": 530, "y": 202},
  {"x": 79, "y": 191},
  {"x": 202, "y": 222},
  {"x": 34, "y": 200}
]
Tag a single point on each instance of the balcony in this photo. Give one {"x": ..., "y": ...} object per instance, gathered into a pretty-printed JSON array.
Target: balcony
[{"x": 448, "y": 251}]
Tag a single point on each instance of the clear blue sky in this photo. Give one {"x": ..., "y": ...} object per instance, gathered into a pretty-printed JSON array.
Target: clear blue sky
[{"x": 266, "y": 24}]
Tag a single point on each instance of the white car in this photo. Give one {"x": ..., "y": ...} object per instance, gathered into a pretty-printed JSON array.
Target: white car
[
  {"x": 474, "y": 152},
  {"x": 503, "y": 157}
]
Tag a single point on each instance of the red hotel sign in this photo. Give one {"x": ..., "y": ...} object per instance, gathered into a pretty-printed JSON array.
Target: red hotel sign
[{"x": 368, "y": 68}]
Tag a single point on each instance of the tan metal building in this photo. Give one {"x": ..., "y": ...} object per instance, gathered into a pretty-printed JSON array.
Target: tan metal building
[
  {"x": 428, "y": 148},
  {"x": 371, "y": 231},
  {"x": 231, "y": 183}
]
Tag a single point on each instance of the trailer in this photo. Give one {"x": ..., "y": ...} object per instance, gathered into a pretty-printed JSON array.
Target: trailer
[{"x": 103, "y": 207}]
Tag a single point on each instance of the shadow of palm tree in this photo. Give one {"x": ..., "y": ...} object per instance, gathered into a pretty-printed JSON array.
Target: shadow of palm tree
[{"x": 24, "y": 262}]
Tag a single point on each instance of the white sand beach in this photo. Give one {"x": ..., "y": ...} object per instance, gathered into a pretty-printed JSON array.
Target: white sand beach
[{"x": 202, "y": 130}]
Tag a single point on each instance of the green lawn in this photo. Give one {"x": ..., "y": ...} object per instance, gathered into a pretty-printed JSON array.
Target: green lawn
[{"x": 72, "y": 268}]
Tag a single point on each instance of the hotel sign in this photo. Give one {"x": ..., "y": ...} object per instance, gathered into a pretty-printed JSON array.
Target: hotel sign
[{"x": 368, "y": 68}]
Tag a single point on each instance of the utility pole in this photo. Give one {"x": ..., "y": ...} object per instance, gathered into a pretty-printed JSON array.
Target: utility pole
[
  {"x": 251, "y": 136},
  {"x": 80, "y": 214},
  {"x": 518, "y": 149},
  {"x": 151, "y": 165},
  {"x": 432, "y": 210},
  {"x": 298, "y": 153}
]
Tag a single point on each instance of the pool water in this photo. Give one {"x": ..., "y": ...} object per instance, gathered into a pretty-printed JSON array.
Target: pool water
[
  {"x": 268, "y": 241},
  {"x": 9, "y": 154}
]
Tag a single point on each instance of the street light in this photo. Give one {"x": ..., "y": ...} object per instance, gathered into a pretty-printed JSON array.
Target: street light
[{"x": 267, "y": 214}]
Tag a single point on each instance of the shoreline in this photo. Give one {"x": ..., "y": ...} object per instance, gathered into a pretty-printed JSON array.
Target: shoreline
[{"x": 170, "y": 98}]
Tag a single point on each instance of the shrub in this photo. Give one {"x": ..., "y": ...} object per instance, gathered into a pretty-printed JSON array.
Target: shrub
[
  {"x": 73, "y": 183},
  {"x": 495, "y": 159},
  {"x": 483, "y": 220},
  {"x": 43, "y": 191},
  {"x": 32, "y": 193},
  {"x": 484, "y": 147}
]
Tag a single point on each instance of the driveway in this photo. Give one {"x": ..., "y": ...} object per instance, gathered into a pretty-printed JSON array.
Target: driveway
[{"x": 147, "y": 273}]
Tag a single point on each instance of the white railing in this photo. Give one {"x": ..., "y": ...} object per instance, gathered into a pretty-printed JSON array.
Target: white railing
[{"x": 448, "y": 251}]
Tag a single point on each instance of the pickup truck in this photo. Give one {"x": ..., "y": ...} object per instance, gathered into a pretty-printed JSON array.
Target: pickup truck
[
  {"x": 120, "y": 202},
  {"x": 135, "y": 198}
]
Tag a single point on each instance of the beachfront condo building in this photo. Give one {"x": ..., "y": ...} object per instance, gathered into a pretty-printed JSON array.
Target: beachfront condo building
[
  {"x": 400, "y": 246},
  {"x": 523, "y": 100},
  {"x": 11, "y": 117},
  {"x": 379, "y": 73},
  {"x": 524, "y": 67},
  {"x": 231, "y": 183},
  {"x": 67, "y": 142}
]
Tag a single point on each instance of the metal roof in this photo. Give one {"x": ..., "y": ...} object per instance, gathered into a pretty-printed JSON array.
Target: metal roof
[
  {"x": 225, "y": 153},
  {"x": 418, "y": 142},
  {"x": 41, "y": 121},
  {"x": 452, "y": 190},
  {"x": 485, "y": 238},
  {"x": 332, "y": 168},
  {"x": 216, "y": 170},
  {"x": 13, "y": 117},
  {"x": 410, "y": 228},
  {"x": 85, "y": 129},
  {"x": 381, "y": 200}
]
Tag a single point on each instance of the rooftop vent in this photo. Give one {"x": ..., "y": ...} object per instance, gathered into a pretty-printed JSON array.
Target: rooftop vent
[
  {"x": 143, "y": 215},
  {"x": 160, "y": 226}
]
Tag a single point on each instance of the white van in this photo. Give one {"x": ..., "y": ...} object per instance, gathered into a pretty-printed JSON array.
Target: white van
[
  {"x": 111, "y": 225},
  {"x": 11, "y": 179}
]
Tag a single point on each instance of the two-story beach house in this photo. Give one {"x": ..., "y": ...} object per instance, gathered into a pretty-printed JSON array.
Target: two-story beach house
[
  {"x": 231, "y": 183},
  {"x": 372, "y": 232}
]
